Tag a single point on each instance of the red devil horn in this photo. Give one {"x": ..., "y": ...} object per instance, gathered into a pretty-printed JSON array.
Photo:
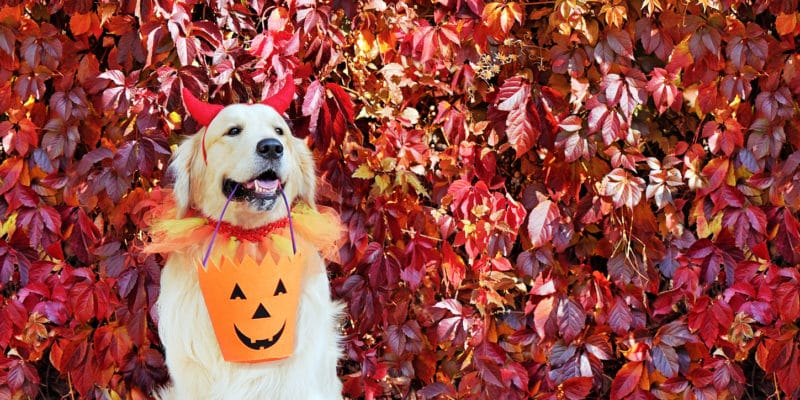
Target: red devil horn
[
  {"x": 201, "y": 111},
  {"x": 280, "y": 101}
]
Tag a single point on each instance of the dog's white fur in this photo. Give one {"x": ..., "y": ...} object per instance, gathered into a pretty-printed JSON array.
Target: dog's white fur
[{"x": 192, "y": 354}]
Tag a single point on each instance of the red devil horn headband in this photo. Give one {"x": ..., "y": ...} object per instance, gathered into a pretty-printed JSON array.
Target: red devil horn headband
[
  {"x": 204, "y": 112},
  {"x": 201, "y": 111}
]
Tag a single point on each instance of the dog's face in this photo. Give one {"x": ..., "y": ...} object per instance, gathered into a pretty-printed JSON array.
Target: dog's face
[{"x": 251, "y": 153}]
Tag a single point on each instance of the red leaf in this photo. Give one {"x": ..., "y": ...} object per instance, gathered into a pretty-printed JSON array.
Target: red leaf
[
  {"x": 773, "y": 355},
  {"x": 520, "y": 130},
  {"x": 22, "y": 196},
  {"x": 577, "y": 388},
  {"x": 665, "y": 359},
  {"x": 453, "y": 266},
  {"x": 312, "y": 104},
  {"x": 726, "y": 374},
  {"x": 413, "y": 274},
  {"x": 437, "y": 389},
  {"x": 756, "y": 218},
  {"x": 425, "y": 40},
  {"x": 515, "y": 375},
  {"x": 543, "y": 222},
  {"x": 55, "y": 311},
  {"x": 674, "y": 334},
  {"x": 654, "y": 38},
  {"x": 599, "y": 346},
  {"x": 568, "y": 60},
  {"x": 514, "y": 94},
  {"x": 620, "y": 317},
  {"x": 627, "y": 91},
  {"x": 542, "y": 316},
  {"x": 31, "y": 83},
  {"x": 16, "y": 376},
  {"x": 20, "y": 137},
  {"x": 787, "y": 300},
  {"x": 614, "y": 88},
  {"x": 489, "y": 358},
  {"x": 571, "y": 319},
  {"x": 614, "y": 127},
  {"x": 727, "y": 196},
  {"x": 337, "y": 113},
  {"x": 343, "y": 100},
  {"x": 92, "y": 157},
  {"x": 627, "y": 379},
  {"x": 624, "y": 188},
  {"x": 83, "y": 301},
  {"x": 597, "y": 115},
  {"x": 542, "y": 286},
  {"x": 7, "y": 40},
  {"x": 575, "y": 146},
  {"x": 787, "y": 377},
  {"x": 716, "y": 171},
  {"x": 750, "y": 49},
  {"x": 726, "y": 138},
  {"x": 6, "y": 329},
  {"x": 664, "y": 91},
  {"x": 10, "y": 171},
  {"x": 84, "y": 235},
  {"x": 707, "y": 96},
  {"x": 572, "y": 123},
  {"x": 620, "y": 41},
  {"x": 709, "y": 318}
]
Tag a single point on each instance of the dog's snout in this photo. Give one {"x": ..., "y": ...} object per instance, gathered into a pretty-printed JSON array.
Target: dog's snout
[{"x": 270, "y": 149}]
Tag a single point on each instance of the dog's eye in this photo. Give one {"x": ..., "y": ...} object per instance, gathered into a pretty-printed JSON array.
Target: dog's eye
[
  {"x": 279, "y": 131},
  {"x": 234, "y": 131}
]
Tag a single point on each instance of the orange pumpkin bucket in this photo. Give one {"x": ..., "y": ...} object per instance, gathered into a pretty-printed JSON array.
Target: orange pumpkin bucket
[{"x": 253, "y": 306}]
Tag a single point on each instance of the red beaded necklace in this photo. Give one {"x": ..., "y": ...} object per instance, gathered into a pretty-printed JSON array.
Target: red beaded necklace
[{"x": 249, "y": 234}]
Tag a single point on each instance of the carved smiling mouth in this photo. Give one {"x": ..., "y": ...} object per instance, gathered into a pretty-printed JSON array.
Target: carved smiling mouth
[
  {"x": 261, "y": 191},
  {"x": 259, "y": 344}
]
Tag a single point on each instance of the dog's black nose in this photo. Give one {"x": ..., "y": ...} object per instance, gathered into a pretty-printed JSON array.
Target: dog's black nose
[{"x": 270, "y": 149}]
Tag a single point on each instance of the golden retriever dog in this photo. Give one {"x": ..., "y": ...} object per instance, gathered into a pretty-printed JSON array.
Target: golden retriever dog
[{"x": 245, "y": 153}]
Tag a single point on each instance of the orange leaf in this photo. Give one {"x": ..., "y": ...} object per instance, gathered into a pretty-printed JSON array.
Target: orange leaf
[
  {"x": 786, "y": 24},
  {"x": 80, "y": 24},
  {"x": 502, "y": 16}
]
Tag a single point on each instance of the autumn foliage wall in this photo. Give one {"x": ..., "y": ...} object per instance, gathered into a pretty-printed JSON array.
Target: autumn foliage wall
[{"x": 550, "y": 200}]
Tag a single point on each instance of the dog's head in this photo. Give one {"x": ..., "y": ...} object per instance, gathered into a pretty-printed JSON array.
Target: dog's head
[{"x": 248, "y": 148}]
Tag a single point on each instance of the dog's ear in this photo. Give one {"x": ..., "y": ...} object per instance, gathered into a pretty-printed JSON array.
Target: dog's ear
[
  {"x": 180, "y": 168},
  {"x": 308, "y": 172}
]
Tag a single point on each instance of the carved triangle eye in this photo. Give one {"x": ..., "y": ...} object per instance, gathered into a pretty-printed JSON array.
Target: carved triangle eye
[
  {"x": 237, "y": 293},
  {"x": 280, "y": 289}
]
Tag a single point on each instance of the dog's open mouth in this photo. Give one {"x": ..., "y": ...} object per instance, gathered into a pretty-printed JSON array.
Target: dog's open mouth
[{"x": 260, "y": 192}]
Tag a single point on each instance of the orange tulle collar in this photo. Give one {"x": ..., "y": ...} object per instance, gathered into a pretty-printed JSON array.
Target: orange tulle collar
[{"x": 316, "y": 229}]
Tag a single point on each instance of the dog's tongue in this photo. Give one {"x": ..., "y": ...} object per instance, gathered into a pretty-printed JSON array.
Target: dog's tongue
[{"x": 263, "y": 186}]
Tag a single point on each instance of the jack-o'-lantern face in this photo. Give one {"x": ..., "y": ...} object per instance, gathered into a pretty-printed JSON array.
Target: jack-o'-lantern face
[
  {"x": 253, "y": 306},
  {"x": 260, "y": 313}
]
